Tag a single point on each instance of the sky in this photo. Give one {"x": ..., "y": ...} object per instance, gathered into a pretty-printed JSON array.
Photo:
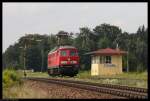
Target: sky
[{"x": 46, "y": 18}]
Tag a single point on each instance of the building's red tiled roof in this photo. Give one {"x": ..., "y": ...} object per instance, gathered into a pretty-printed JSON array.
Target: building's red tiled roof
[{"x": 108, "y": 51}]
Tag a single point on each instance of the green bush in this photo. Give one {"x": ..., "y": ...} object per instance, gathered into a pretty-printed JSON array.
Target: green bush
[{"x": 10, "y": 77}]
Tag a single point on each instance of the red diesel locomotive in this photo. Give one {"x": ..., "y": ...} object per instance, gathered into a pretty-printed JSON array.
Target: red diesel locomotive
[{"x": 63, "y": 60}]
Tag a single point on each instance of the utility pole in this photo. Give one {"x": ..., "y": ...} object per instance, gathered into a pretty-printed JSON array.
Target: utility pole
[
  {"x": 127, "y": 61},
  {"x": 42, "y": 51},
  {"x": 25, "y": 60},
  {"x": 127, "y": 52},
  {"x": 41, "y": 54},
  {"x": 24, "y": 49},
  {"x": 42, "y": 59},
  {"x": 24, "y": 55}
]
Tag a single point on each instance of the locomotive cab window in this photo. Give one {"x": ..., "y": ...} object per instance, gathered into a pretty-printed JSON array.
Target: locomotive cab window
[
  {"x": 63, "y": 53},
  {"x": 72, "y": 53}
]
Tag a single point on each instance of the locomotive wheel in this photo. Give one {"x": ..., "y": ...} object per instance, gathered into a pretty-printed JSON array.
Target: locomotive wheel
[
  {"x": 72, "y": 75},
  {"x": 48, "y": 71}
]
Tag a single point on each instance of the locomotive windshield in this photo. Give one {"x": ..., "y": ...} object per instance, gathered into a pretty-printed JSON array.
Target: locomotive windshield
[
  {"x": 63, "y": 53},
  {"x": 72, "y": 53}
]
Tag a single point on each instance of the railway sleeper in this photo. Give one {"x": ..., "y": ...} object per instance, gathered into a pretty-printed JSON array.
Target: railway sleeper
[
  {"x": 131, "y": 96},
  {"x": 99, "y": 90},
  {"x": 124, "y": 94},
  {"x": 114, "y": 86},
  {"x": 118, "y": 93},
  {"x": 141, "y": 90},
  {"x": 127, "y": 94},
  {"x": 121, "y": 94},
  {"x": 136, "y": 97}
]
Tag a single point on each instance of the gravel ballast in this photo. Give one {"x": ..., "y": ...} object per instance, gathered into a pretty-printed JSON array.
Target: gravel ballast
[{"x": 55, "y": 91}]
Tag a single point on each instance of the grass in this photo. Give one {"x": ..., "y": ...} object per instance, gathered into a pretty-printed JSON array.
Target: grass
[
  {"x": 130, "y": 78},
  {"x": 87, "y": 74},
  {"x": 12, "y": 83},
  {"x": 133, "y": 79},
  {"x": 129, "y": 75},
  {"x": 84, "y": 74},
  {"x": 22, "y": 91},
  {"x": 14, "y": 87},
  {"x": 37, "y": 74},
  {"x": 10, "y": 78}
]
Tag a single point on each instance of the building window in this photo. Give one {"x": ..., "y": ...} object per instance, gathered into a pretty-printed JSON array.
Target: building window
[
  {"x": 108, "y": 59},
  {"x": 94, "y": 59},
  {"x": 97, "y": 60},
  {"x": 101, "y": 59}
]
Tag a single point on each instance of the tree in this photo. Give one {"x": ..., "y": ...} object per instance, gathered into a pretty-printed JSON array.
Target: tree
[
  {"x": 11, "y": 56},
  {"x": 103, "y": 43},
  {"x": 142, "y": 58},
  {"x": 107, "y": 30},
  {"x": 87, "y": 39},
  {"x": 85, "y": 42},
  {"x": 33, "y": 58},
  {"x": 102, "y": 36}
]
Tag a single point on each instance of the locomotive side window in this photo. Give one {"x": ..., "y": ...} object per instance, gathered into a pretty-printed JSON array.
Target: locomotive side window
[
  {"x": 72, "y": 53},
  {"x": 63, "y": 53}
]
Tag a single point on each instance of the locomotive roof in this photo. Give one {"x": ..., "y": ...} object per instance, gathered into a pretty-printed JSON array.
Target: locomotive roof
[{"x": 60, "y": 47}]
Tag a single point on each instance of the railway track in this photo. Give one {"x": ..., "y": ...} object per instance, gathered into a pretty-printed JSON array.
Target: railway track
[{"x": 123, "y": 91}]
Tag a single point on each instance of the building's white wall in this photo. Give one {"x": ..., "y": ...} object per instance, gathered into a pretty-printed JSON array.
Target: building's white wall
[{"x": 95, "y": 69}]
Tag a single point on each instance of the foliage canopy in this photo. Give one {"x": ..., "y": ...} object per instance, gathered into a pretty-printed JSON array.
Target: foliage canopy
[{"x": 102, "y": 36}]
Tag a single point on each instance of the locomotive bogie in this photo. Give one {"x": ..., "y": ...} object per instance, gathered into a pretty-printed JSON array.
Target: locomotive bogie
[{"x": 69, "y": 70}]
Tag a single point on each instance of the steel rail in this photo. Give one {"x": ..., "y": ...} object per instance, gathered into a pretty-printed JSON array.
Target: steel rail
[
  {"x": 114, "y": 90},
  {"x": 123, "y": 87}
]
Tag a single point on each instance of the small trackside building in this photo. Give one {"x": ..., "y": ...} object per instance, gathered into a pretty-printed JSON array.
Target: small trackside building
[{"x": 106, "y": 61}]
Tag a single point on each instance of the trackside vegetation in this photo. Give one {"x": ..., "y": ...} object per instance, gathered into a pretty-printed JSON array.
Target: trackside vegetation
[
  {"x": 124, "y": 75},
  {"x": 10, "y": 77},
  {"x": 14, "y": 87},
  {"x": 133, "y": 79}
]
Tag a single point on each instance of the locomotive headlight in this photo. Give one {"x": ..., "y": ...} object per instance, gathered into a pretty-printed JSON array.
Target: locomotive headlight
[
  {"x": 73, "y": 62},
  {"x": 63, "y": 62}
]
